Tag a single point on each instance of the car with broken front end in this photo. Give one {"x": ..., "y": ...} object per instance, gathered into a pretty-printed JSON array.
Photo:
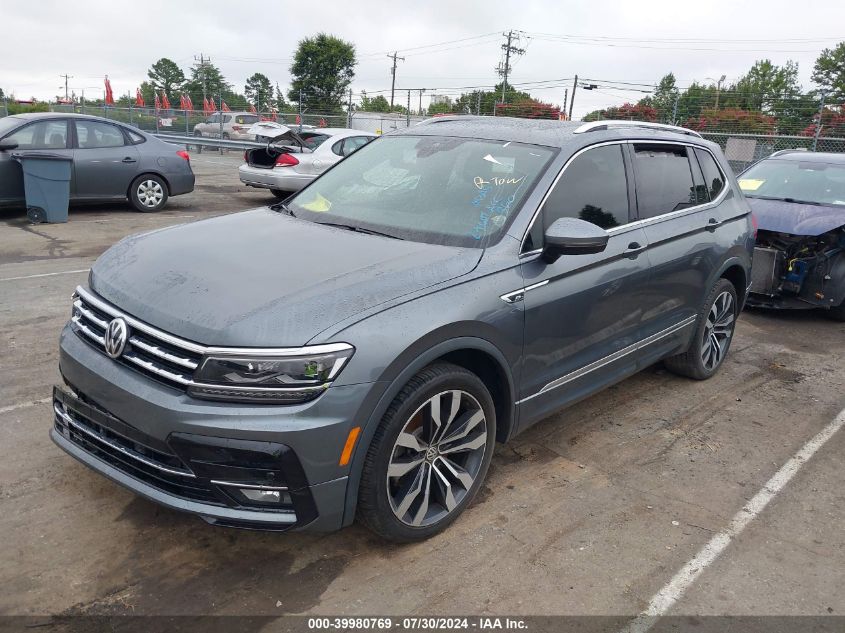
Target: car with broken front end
[
  {"x": 798, "y": 200},
  {"x": 357, "y": 350}
]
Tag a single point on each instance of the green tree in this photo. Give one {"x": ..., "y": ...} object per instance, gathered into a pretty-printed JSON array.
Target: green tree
[
  {"x": 829, "y": 73},
  {"x": 663, "y": 98},
  {"x": 165, "y": 76},
  {"x": 374, "y": 104},
  {"x": 323, "y": 67},
  {"x": 765, "y": 87},
  {"x": 259, "y": 91},
  {"x": 207, "y": 80}
]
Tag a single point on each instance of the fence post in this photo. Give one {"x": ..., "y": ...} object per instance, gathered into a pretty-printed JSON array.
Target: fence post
[
  {"x": 5, "y": 105},
  {"x": 300, "y": 109},
  {"x": 349, "y": 110},
  {"x": 187, "y": 130},
  {"x": 82, "y": 102},
  {"x": 819, "y": 124},
  {"x": 221, "y": 119},
  {"x": 408, "y": 116},
  {"x": 675, "y": 109}
]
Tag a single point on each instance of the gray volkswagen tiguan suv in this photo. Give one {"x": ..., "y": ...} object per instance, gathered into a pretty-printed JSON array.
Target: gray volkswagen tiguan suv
[{"x": 358, "y": 349}]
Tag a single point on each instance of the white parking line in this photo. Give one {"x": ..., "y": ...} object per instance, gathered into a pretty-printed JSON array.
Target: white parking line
[
  {"x": 666, "y": 598},
  {"x": 62, "y": 272},
  {"x": 23, "y": 405}
]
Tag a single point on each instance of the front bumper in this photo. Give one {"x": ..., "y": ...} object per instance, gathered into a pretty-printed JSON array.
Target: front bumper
[
  {"x": 128, "y": 427},
  {"x": 272, "y": 179}
]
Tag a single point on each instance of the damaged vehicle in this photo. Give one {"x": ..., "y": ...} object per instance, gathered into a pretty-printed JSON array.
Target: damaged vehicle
[
  {"x": 293, "y": 158},
  {"x": 798, "y": 199}
]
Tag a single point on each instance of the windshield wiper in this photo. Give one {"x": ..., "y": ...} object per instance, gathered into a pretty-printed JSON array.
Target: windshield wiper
[
  {"x": 284, "y": 208},
  {"x": 787, "y": 199},
  {"x": 360, "y": 229}
]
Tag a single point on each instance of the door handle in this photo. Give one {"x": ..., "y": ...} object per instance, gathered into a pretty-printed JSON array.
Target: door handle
[
  {"x": 713, "y": 224},
  {"x": 634, "y": 249},
  {"x": 129, "y": 159}
]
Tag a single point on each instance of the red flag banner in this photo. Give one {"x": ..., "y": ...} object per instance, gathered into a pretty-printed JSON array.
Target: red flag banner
[
  {"x": 189, "y": 102},
  {"x": 165, "y": 102},
  {"x": 139, "y": 98},
  {"x": 182, "y": 104},
  {"x": 322, "y": 123},
  {"x": 212, "y": 107},
  {"x": 298, "y": 120},
  {"x": 224, "y": 107},
  {"x": 109, "y": 95},
  {"x": 157, "y": 103},
  {"x": 252, "y": 109}
]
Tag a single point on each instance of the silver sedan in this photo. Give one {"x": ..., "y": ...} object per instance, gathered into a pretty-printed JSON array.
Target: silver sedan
[{"x": 291, "y": 160}]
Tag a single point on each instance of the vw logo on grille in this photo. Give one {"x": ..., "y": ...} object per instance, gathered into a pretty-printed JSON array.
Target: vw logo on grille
[{"x": 115, "y": 337}]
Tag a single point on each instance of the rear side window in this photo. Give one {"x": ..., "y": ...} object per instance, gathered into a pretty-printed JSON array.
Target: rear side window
[
  {"x": 49, "y": 134},
  {"x": 93, "y": 134},
  {"x": 713, "y": 177},
  {"x": 246, "y": 118},
  {"x": 313, "y": 140},
  {"x": 353, "y": 143},
  {"x": 664, "y": 179},
  {"x": 593, "y": 188},
  {"x": 134, "y": 137}
]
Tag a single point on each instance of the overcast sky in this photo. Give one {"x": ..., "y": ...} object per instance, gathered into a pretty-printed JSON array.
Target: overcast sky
[{"x": 88, "y": 39}]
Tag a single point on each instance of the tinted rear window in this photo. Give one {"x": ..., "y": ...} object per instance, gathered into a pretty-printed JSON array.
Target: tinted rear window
[
  {"x": 664, "y": 180},
  {"x": 713, "y": 177}
]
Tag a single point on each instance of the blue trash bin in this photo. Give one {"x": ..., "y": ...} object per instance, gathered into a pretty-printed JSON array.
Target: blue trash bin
[{"x": 46, "y": 182}]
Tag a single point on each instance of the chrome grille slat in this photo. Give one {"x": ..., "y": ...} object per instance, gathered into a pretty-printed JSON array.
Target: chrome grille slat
[
  {"x": 156, "y": 369},
  {"x": 88, "y": 331},
  {"x": 70, "y": 421},
  {"x": 155, "y": 350},
  {"x": 90, "y": 315}
]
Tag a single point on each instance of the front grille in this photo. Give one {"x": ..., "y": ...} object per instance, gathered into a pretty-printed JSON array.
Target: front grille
[
  {"x": 157, "y": 354},
  {"x": 159, "y": 469}
]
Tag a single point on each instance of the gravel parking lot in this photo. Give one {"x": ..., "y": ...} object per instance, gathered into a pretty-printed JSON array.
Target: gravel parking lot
[{"x": 592, "y": 511}]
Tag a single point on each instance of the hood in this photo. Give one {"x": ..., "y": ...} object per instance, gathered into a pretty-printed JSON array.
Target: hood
[
  {"x": 779, "y": 216},
  {"x": 263, "y": 279}
]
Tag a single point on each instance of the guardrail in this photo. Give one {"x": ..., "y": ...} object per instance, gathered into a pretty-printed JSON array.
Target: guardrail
[{"x": 202, "y": 141}]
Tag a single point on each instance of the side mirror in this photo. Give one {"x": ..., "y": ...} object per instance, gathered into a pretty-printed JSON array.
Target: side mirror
[
  {"x": 571, "y": 236},
  {"x": 6, "y": 145}
]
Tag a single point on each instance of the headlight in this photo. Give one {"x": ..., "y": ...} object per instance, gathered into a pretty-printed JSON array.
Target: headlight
[{"x": 270, "y": 378}]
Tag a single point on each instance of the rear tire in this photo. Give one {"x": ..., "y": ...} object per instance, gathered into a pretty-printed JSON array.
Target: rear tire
[
  {"x": 148, "y": 193},
  {"x": 419, "y": 476},
  {"x": 713, "y": 335}
]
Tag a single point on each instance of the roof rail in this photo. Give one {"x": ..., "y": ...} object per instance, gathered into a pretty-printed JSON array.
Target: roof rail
[{"x": 607, "y": 125}]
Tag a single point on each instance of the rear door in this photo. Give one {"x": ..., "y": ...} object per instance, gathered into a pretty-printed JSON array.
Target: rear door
[
  {"x": 674, "y": 206},
  {"x": 48, "y": 135},
  {"x": 104, "y": 163},
  {"x": 583, "y": 313}
]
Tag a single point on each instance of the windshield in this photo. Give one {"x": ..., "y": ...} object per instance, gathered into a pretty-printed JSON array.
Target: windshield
[
  {"x": 439, "y": 190},
  {"x": 802, "y": 181}
]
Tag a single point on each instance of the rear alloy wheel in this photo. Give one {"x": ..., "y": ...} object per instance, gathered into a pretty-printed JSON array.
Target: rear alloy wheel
[
  {"x": 429, "y": 455},
  {"x": 713, "y": 335},
  {"x": 148, "y": 193}
]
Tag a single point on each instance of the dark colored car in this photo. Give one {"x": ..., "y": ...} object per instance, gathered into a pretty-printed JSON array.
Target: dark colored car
[
  {"x": 358, "y": 349},
  {"x": 798, "y": 199},
  {"x": 111, "y": 161}
]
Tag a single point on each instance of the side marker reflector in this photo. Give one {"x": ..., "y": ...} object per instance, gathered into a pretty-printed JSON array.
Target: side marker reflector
[{"x": 346, "y": 455}]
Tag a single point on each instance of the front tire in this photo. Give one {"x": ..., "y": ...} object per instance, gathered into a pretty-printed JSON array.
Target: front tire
[
  {"x": 429, "y": 455},
  {"x": 837, "y": 313},
  {"x": 148, "y": 193},
  {"x": 713, "y": 335}
]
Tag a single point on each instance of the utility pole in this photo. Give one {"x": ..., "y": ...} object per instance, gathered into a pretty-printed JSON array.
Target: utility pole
[
  {"x": 675, "y": 109},
  {"x": 300, "y": 110},
  {"x": 67, "y": 94},
  {"x": 478, "y": 104},
  {"x": 203, "y": 60},
  {"x": 510, "y": 49},
  {"x": 394, "y": 57},
  {"x": 572, "y": 100},
  {"x": 819, "y": 124}
]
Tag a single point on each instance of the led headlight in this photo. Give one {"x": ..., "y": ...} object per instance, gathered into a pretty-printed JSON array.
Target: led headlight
[{"x": 286, "y": 376}]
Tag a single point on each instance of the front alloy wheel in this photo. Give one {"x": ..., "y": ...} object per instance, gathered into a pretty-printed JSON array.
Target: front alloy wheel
[
  {"x": 436, "y": 458},
  {"x": 429, "y": 455}
]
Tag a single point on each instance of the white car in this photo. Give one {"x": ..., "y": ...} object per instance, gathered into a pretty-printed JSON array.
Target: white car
[{"x": 293, "y": 159}]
